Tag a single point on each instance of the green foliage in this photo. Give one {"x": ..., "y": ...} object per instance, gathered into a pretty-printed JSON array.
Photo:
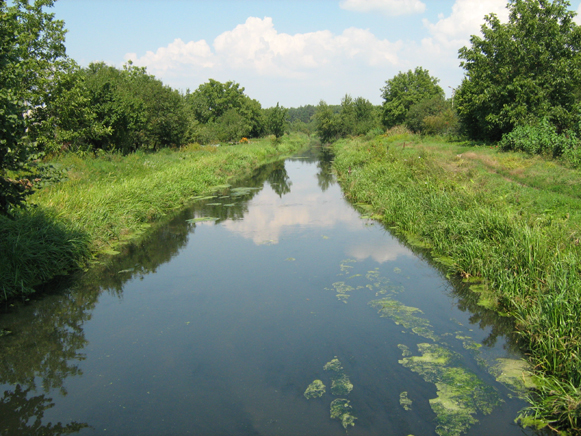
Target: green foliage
[
  {"x": 276, "y": 120},
  {"x": 357, "y": 117},
  {"x": 522, "y": 71},
  {"x": 434, "y": 116},
  {"x": 403, "y": 91},
  {"x": 327, "y": 123},
  {"x": 540, "y": 139},
  {"x": 32, "y": 52},
  {"x": 135, "y": 109},
  {"x": 221, "y": 111}
]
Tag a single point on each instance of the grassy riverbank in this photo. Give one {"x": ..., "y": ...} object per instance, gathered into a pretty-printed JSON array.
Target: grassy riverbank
[
  {"x": 110, "y": 200},
  {"x": 507, "y": 222}
]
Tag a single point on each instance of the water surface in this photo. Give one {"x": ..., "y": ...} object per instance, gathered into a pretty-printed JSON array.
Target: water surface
[{"x": 218, "y": 327}]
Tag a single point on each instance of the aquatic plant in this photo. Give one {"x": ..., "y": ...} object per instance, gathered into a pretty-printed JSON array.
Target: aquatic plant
[
  {"x": 404, "y": 401},
  {"x": 460, "y": 393},
  {"x": 405, "y": 316},
  {"x": 342, "y": 410},
  {"x": 315, "y": 390}
]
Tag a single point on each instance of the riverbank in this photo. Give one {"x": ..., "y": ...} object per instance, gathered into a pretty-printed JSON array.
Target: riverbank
[
  {"x": 111, "y": 200},
  {"x": 508, "y": 223}
]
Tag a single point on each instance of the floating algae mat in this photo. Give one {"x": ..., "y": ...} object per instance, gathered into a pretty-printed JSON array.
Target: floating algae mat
[
  {"x": 461, "y": 394},
  {"x": 340, "y": 386}
]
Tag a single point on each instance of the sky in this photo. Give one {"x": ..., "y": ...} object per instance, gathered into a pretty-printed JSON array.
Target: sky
[{"x": 292, "y": 52}]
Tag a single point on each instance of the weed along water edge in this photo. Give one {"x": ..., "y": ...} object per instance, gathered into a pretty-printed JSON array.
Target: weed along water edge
[{"x": 273, "y": 307}]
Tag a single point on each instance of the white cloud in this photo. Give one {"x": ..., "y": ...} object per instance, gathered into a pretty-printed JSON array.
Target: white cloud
[
  {"x": 256, "y": 55},
  {"x": 257, "y": 46},
  {"x": 387, "y": 7},
  {"x": 465, "y": 20}
]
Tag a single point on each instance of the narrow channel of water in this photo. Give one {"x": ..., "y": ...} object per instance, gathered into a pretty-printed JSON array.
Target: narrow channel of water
[{"x": 219, "y": 326}]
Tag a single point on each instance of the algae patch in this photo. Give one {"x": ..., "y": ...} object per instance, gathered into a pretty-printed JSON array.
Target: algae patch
[
  {"x": 514, "y": 374},
  {"x": 342, "y": 410},
  {"x": 404, "y": 401},
  {"x": 405, "y": 316},
  {"x": 460, "y": 393},
  {"x": 315, "y": 390},
  {"x": 343, "y": 291}
]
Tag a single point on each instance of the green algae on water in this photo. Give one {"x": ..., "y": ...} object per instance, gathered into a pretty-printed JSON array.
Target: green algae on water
[
  {"x": 404, "y": 401},
  {"x": 341, "y": 410},
  {"x": 315, "y": 390},
  {"x": 405, "y": 316},
  {"x": 405, "y": 350},
  {"x": 341, "y": 385},
  {"x": 514, "y": 374},
  {"x": 333, "y": 365},
  {"x": 460, "y": 393},
  {"x": 342, "y": 290}
]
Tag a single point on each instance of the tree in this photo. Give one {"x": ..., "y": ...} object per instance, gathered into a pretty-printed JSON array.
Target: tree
[
  {"x": 214, "y": 102},
  {"x": 31, "y": 53},
  {"x": 327, "y": 123},
  {"x": 276, "y": 120},
  {"x": 403, "y": 91},
  {"x": 522, "y": 71},
  {"x": 357, "y": 116}
]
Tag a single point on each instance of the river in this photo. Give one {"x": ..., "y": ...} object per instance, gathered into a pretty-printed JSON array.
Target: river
[{"x": 221, "y": 321}]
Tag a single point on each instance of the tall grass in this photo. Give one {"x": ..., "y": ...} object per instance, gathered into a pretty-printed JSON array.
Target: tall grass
[
  {"x": 112, "y": 199},
  {"x": 530, "y": 262}
]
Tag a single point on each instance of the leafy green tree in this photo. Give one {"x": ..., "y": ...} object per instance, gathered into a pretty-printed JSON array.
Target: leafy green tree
[
  {"x": 425, "y": 108},
  {"x": 404, "y": 90},
  {"x": 522, "y": 71},
  {"x": 276, "y": 123},
  {"x": 327, "y": 122},
  {"x": 209, "y": 105},
  {"x": 32, "y": 51},
  {"x": 357, "y": 116}
]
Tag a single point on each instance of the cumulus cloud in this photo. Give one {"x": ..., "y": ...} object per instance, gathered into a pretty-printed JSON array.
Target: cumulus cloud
[
  {"x": 465, "y": 20},
  {"x": 387, "y": 7},
  {"x": 257, "y": 47}
]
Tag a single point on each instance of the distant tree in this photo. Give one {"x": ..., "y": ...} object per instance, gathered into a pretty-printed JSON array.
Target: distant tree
[
  {"x": 404, "y": 90},
  {"x": 301, "y": 113},
  {"x": 357, "y": 116},
  {"x": 210, "y": 103},
  {"x": 522, "y": 71},
  {"x": 327, "y": 122},
  {"x": 276, "y": 120}
]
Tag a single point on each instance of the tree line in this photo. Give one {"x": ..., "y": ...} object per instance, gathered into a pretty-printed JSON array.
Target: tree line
[{"x": 521, "y": 87}]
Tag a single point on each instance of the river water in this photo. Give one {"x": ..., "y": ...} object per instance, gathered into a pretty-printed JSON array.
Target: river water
[{"x": 218, "y": 327}]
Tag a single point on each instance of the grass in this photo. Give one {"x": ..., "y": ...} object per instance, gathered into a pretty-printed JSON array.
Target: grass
[
  {"x": 507, "y": 220},
  {"x": 110, "y": 200}
]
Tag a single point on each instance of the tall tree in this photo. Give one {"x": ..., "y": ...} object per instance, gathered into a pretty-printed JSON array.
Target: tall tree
[
  {"x": 276, "y": 120},
  {"x": 521, "y": 71},
  {"x": 404, "y": 90},
  {"x": 31, "y": 53}
]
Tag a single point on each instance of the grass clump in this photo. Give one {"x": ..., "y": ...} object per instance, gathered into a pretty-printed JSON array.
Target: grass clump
[
  {"x": 37, "y": 246},
  {"x": 508, "y": 220},
  {"x": 111, "y": 199}
]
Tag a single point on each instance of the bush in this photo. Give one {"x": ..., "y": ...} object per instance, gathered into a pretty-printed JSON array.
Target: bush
[{"x": 542, "y": 139}]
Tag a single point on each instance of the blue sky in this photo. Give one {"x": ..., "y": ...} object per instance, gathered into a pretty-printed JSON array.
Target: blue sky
[{"x": 294, "y": 52}]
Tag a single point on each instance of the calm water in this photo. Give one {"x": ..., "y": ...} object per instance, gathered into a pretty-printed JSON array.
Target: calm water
[{"x": 218, "y": 327}]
